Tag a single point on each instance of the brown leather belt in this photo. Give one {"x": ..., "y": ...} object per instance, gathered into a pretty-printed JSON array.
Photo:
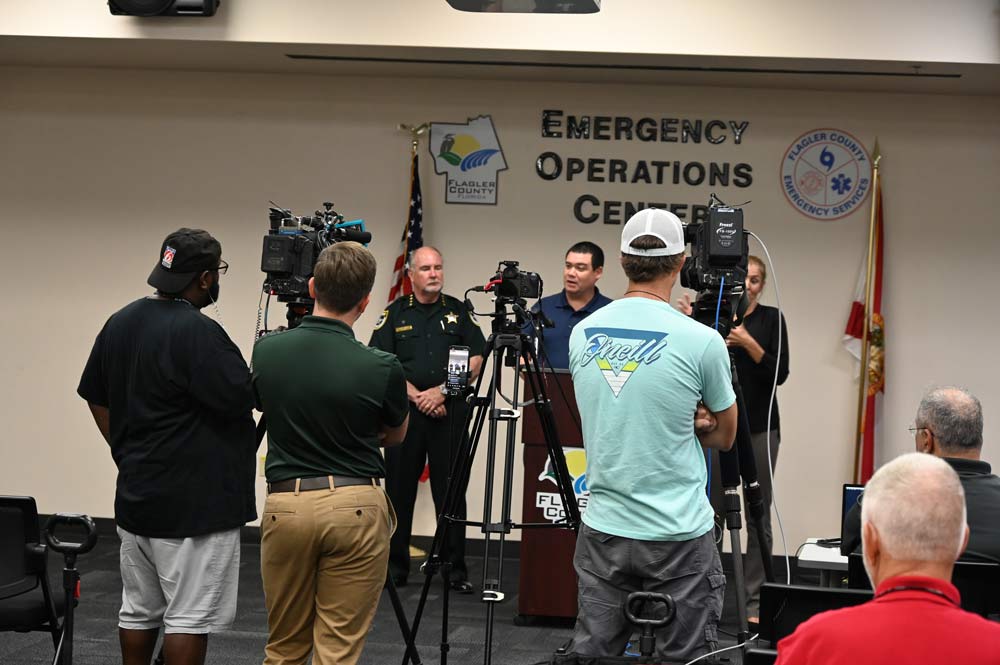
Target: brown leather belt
[{"x": 319, "y": 483}]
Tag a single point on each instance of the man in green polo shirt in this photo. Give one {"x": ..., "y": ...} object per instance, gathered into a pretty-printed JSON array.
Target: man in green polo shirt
[{"x": 330, "y": 403}]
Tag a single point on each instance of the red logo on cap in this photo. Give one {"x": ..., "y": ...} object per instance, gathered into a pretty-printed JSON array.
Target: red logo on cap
[{"x": 168, "y": 257}]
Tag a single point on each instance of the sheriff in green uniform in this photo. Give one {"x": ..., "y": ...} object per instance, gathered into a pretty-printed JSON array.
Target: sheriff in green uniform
[{"x": 419, "y": 328}]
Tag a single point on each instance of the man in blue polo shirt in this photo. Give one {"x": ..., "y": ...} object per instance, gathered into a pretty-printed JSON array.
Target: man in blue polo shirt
[{"x": 579, "y": 299}]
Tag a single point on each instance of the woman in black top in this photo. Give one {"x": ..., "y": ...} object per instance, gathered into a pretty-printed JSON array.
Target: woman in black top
[
  {"x": 754, "y": 346},
  {"x": 755, "y": 351}
]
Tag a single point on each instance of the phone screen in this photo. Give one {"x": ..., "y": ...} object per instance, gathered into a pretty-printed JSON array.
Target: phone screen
[{"x": 458, "y": 368}]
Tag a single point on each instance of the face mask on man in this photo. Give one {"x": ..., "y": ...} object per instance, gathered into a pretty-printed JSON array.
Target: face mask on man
[
  {"x": 213, "y": 290},
  {"x": 213, "y": 298}
]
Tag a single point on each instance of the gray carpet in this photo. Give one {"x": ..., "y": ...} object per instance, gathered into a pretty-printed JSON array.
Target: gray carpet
[{"x": 96, "y": 640}]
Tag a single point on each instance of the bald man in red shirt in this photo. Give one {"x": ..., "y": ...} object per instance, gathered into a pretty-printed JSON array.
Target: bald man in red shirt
[{"x": 912, "y": 530}]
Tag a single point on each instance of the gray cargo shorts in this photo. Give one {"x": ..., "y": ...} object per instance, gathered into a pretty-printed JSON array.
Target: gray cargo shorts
[
  {"x": 609, "y": 568},
  {"x": 186, "y": 585}
]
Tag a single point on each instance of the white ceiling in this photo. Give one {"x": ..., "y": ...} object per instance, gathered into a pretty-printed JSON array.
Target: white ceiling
[{"x": 325, "y": 59}]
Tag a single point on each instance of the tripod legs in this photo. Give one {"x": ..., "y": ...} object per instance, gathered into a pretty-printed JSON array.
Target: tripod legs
[
  {"x": 404, "y": 625},
  {"x": 512, "y": 348},
  {"x": 733, "y": 523}
]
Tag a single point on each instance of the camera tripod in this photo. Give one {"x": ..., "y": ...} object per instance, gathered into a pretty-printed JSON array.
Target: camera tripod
[
  {"x": 738, "y": 462},
  {"x": 506, "y": 345}
]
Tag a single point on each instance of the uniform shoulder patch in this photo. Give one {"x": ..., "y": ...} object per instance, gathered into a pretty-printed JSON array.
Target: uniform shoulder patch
[{"x": 382, "y": 319}]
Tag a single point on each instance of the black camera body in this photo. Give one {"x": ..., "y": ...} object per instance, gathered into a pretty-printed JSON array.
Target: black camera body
[
  {"x": 717, "y": 267},
  {"x": 719, "y": 251},
  {"x": 514, "y": 283},
  {"x": 293, "y": 244}
]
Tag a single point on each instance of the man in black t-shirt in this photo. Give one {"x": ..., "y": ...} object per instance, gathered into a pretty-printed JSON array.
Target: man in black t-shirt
[
  {"x": 170, "y": 393},
  {"x": 330, "y": 403}
]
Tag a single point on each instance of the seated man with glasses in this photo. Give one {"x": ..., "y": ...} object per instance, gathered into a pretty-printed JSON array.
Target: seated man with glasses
[
  {"x": 949, "y": 425},
  {"x": 170, "y": 393}
]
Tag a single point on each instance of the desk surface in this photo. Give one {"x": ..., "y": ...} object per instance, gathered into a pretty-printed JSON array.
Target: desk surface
[{"x": 822, "y": 558}]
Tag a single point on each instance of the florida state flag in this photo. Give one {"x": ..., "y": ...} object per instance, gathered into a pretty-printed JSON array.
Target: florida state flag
[{"x": 869, "y": 348}]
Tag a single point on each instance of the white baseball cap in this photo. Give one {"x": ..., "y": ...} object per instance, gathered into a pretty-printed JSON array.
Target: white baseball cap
[{"x": 658, "y": 223}]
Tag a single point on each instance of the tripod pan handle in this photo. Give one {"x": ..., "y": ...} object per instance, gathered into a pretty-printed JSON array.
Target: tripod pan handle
[
  {"x": 90, "y": 538},
  {"x": 639, "y": 597}
]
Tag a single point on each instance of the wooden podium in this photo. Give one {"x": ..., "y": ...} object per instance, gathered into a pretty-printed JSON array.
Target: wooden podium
[{"x": 547, "y": 586}]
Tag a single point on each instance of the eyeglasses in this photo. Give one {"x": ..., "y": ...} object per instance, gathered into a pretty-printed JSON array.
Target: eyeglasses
[
  {"x": 914, "y": 429},
  {"x": 223, "y": 267}
]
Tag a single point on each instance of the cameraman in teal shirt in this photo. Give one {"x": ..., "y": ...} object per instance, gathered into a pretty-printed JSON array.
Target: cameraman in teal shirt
[{"x": 653, "y": 387}]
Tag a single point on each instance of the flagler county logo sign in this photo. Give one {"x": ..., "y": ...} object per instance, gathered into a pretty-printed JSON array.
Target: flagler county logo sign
[
  {"x": 470, "y": 156},
  {"x": 826, "y": 174}
]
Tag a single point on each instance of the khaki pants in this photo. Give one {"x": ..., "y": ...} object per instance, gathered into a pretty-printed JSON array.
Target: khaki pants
[{"x": 323, "y": 562}]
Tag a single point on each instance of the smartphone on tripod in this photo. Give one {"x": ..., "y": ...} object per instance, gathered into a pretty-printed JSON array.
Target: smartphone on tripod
[{"x": 457, "y": 378}]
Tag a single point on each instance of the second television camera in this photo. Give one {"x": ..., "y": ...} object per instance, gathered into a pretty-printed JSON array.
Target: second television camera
[
  {"x": 293, "y": 243},
  {"x": 511, "y": 287},
  {"x": 717, "y": 267},
  {"x": 512, "y": 283}
]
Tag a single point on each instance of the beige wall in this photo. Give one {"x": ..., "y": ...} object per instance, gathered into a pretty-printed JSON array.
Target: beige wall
[
  {"x": 99, "y": 165},
  {"x": 962, "y": 31}
]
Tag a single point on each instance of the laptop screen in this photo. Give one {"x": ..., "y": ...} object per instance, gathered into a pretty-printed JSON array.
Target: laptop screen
[{"x": 850, "y": 497}]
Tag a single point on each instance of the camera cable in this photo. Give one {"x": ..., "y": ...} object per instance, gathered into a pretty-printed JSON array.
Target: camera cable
[
  {"x": 718, "y": 304},
  {"x": 218, "y": 312},
  {"x": 735, "y": 646},
  {"x": 774, "y": 392},
  {"x": 261, "y": 317}
]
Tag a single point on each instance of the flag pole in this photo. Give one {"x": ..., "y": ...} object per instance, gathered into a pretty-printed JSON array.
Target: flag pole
[
  {"x": 416, "y": 131},
  {"x": 863, "y": 378}
]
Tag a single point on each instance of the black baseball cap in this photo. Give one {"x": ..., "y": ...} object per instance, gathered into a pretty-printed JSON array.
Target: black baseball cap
[{"x": 184, "y": 254}]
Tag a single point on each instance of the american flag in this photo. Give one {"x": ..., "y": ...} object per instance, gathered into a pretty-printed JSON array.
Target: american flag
[{"x": 413, "y": 236}]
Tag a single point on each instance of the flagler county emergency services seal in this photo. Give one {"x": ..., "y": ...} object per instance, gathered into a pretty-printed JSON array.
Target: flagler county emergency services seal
[{"x": 826, "y": 174}]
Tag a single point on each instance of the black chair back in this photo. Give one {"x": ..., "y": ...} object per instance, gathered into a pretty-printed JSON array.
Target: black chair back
[
  {"x": 978, "y": 582},
  {"x": 20, "y": 565},
  {"x": 857, "y": 578},
  {"x": 760, "y": 656},
  {"x": 784, "y": 606}
]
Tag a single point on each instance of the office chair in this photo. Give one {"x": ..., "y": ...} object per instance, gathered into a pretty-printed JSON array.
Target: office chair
[{"x": 26, "y": 601}]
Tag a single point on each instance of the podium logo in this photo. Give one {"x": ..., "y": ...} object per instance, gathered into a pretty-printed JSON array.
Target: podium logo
[
  {"x": 469, "y": 155},
  {"x": 551, "y": 502},
  {"x": 620, "y": 352}
]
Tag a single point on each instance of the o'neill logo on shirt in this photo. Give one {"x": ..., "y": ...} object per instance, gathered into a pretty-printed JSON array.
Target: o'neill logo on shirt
[{"x": 620, "y": 352}]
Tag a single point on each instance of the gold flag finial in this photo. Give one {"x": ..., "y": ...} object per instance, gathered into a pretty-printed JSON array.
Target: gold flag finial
[
  {"x": 416, "y": 131},
  {"x": 876, "y": 154}
]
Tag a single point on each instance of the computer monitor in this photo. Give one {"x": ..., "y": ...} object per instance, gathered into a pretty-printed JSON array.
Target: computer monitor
[
  {"x": 784, "y": 606},
  {"x": 850, "y": 496}
]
